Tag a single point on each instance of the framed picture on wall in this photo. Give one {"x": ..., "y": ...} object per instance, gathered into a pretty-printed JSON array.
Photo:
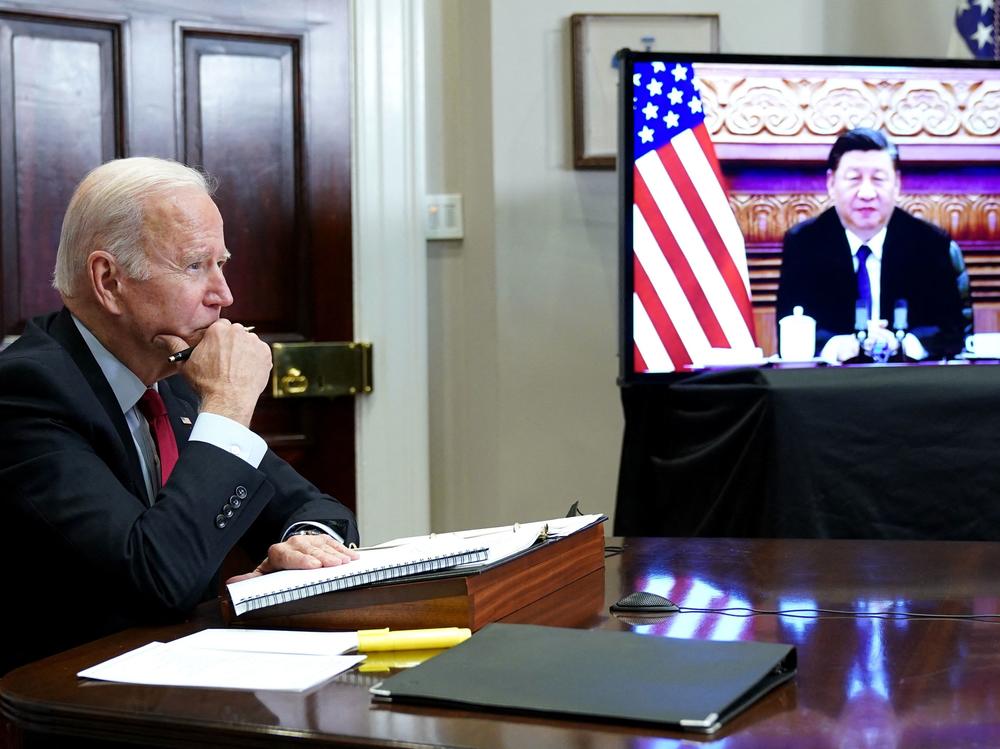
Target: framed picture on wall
[{"x": 596, "y": 38}]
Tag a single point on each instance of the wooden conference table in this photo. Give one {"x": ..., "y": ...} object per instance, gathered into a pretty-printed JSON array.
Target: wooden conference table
[{"x": 861, "y": 682}]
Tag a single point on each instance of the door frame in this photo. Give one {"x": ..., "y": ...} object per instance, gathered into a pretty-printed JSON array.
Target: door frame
[{"x": 390, "y": 267}]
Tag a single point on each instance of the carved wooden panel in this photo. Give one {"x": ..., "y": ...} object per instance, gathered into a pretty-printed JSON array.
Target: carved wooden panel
[
  {"x": 747, "y": 104},
  {"x": 764, "y": 218},
  {"x": 60, "y": 116}
]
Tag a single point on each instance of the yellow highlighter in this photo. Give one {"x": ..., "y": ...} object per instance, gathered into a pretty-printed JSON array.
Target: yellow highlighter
[
  {"x": 375, "y": 640},
  {"x": 385, "y": 662}
]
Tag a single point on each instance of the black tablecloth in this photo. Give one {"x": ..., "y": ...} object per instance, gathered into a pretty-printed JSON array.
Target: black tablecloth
[{"x": 849, "y": 452}]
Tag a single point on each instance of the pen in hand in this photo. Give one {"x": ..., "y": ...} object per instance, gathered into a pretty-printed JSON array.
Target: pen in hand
[{"x": 186, "y": 353}]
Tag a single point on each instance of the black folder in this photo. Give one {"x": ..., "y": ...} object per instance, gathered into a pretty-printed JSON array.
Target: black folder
[{"x": 691, "y": 685}]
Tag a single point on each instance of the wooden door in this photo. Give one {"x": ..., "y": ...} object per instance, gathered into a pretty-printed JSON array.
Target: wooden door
[{"x": 257, "y": 93}]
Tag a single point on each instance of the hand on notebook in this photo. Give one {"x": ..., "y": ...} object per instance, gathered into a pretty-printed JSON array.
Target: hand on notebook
[{"x": 302, "y": 553}]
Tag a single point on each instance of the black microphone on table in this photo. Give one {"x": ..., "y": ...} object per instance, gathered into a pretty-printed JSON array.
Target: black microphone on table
[
  {"x": 861, "y": 320},
  {"x": 900, "y": 320},
  {"x": 900, "y": 323}
]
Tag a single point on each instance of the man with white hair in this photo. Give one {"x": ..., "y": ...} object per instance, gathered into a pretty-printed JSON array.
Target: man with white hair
[{"x": 127, "y": 478}]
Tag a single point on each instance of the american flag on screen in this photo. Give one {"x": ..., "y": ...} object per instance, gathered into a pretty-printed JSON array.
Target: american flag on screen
[
  {"x": 976, "y": 22},
  {"x": 691, "y": 288}
]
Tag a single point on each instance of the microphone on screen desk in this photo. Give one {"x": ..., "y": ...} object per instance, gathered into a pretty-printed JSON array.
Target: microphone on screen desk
[
  {"x": 899, "y": 318},
  {"x": 861, "y": 321},
  {"x": 861, "y": 331},
  {"x": 900, "y": 323}
]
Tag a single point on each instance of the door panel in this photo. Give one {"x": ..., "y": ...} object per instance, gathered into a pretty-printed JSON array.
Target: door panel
[
  {"x": 58, "y": 120},
  {"x": 258, "y": 98},
  {"x": 235, "y": 85}
]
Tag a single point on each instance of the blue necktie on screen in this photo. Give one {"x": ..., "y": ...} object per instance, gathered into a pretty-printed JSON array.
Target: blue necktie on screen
[{"x": 864, "y": 282}]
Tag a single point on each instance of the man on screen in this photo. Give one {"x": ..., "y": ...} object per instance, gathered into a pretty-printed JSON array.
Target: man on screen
[
  {"x": 856, "y": 264},
  {"x": 127, "y": 478}
]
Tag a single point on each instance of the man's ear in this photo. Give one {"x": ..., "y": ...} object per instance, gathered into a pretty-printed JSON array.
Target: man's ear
[
  {"x": 105, "y": 277},
  {"x": 829, "y": 182}
]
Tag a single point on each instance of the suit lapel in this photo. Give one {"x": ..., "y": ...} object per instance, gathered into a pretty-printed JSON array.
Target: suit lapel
[
  {"x": 893, "y": 266},
  {"x": 64, "y": 330},
  {"x": 841, "y": 264}
]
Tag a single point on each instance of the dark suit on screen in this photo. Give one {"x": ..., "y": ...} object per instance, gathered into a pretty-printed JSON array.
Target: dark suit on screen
[
  {"x": 817, "y": 272},
  {"x": 92, "y": 556}
]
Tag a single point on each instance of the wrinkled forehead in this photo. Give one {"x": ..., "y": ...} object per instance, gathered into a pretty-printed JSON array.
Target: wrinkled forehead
[
  {"x": 184, "y": 219},
  {"x": 179, "y": 209}
]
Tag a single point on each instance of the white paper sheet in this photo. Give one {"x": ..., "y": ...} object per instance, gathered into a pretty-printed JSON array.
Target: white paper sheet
[
  {"x": 181, "y": 664},
  {"x": 505, "y": 540},
  {"x": 272, "y": 641}
]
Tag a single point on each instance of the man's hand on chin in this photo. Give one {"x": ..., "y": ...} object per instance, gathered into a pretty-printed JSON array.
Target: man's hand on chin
[
  {"x": 170, "y": 344},
  {"x": 229, "y": 369},
  {"x": 307, "y": 552}
]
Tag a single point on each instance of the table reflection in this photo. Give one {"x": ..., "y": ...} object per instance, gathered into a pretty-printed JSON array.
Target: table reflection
[{"x": 876, "y": 679}]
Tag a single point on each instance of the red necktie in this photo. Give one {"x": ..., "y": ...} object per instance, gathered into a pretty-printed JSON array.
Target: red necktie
[{"x": 151, "y": 406}]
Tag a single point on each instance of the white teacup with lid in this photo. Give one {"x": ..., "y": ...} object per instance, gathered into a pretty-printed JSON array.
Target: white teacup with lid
[
  {"x": 983, "y": 345},
  {"x": 797, "y": 336}
]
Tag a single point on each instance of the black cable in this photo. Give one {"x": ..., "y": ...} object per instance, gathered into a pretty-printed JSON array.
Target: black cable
[{"x": 745, "y": 612}]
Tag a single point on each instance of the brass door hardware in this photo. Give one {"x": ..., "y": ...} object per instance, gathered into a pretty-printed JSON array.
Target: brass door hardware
[{"x": 321, "y": 369}]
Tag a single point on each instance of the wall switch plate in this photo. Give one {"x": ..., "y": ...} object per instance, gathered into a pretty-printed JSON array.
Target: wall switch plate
[{"x": 444, "y": 217}]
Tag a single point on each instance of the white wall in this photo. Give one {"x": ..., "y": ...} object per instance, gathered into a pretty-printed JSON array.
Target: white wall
[
  {"x": 525, "y": 413},
  {"x": 462, "y": 290},
  {"x": 890, "y": 28}
]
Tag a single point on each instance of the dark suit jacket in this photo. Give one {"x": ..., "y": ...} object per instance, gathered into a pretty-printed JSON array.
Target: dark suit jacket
[
  {"x": 84, "y": 553},
  {"x": 817, "y": 273}
]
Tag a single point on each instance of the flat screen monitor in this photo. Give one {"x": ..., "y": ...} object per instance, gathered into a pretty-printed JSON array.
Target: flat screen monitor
[{"x": 721, "y": 156}]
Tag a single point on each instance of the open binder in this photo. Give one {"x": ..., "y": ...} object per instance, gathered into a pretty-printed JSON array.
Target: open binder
[
  {"x": 558, "y": 579},
  {"x": 690, "y": 685}
]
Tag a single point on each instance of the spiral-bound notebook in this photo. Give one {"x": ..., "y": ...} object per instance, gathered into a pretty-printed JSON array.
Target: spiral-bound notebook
[{"x": 373, "y": 566}]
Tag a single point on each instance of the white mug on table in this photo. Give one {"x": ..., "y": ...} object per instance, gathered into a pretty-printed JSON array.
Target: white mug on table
[{"x": 986, "y": 345}]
